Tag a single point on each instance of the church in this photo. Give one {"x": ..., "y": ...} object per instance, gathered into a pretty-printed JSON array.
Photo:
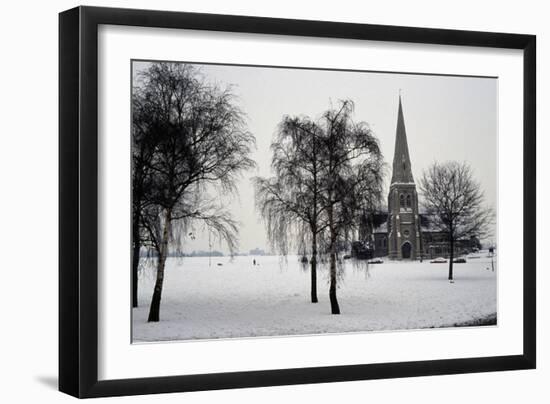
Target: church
[{"x": 403, "y": 233}]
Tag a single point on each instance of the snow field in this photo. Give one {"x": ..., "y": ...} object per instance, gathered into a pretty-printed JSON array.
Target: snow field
[{"x": 238, "y": 299}]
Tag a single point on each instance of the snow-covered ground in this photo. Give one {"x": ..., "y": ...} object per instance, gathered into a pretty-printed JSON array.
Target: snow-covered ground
[{"x": 238, "y": 299}]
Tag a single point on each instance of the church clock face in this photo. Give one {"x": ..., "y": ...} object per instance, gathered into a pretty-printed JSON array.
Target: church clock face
[{"x": 406, "y": 233}]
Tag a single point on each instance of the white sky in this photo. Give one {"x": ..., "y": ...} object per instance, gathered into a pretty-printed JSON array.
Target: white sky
[{"x": 446, "y": 118}]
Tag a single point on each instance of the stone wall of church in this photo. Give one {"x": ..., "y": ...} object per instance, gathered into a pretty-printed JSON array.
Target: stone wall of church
[{"x": 403, "y": 222}]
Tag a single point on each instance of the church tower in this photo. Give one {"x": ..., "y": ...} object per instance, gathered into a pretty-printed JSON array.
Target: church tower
[{"x": 404, "y": 238}]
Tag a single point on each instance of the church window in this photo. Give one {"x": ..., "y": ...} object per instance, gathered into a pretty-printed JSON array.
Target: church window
[
  {"x": 408, "y": 201},
  {"x": 402, "y": 200}
]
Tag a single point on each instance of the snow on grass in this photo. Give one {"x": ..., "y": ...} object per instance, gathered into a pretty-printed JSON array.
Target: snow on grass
[{"x": 238, "y": 299}]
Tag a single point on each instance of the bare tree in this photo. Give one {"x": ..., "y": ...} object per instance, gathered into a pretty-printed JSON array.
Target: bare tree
[
  {"x": 200, "y": 144},
  {"x": 327, "y": 173},
  {"x": 289, "y": 202},
  {"x": 145, "y": 127},
  {"x": 455, "y": 202},
  {"x": 351, "y": 182}
]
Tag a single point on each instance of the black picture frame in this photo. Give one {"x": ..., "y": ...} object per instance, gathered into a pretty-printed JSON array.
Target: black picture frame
[{"x": 78, "y": 201}]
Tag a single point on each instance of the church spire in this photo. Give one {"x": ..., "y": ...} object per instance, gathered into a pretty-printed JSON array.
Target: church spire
[{"x": 402, "y": 172}]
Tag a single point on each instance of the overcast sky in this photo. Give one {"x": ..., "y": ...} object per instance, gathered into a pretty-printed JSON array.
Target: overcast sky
[{"x": 446, "y": 118}]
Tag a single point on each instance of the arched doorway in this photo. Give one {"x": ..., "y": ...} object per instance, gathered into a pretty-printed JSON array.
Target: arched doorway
[{"x": 406, "y": 249}]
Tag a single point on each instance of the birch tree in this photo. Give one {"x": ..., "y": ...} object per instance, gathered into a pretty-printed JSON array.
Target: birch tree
[
  {"x": 328, "y": 173},
  {"x": 352, "y": 180},
  {"x": 289, "y": 201},
  {"x": 201, "y": 144}
]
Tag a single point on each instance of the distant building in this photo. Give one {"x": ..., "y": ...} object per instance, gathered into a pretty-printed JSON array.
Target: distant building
[
  {"x": 403, "y": 232},
  {"x": 257, "y": 251}
]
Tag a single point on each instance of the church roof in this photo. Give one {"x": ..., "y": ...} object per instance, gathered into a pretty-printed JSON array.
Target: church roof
[{"x": 402, "y": 172}]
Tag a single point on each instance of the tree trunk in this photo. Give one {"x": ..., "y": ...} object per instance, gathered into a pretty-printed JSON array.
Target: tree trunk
[
  {"x": 136, "y": 239},
  {"x": 135, "y": 265},
  {"x": 451, "y": 257},
  {"x": 314, "y": 270},
  {"x": 135, "y": 256},
  {"x": 334, "y": 307},
  {"x": 157, "y": 291}
]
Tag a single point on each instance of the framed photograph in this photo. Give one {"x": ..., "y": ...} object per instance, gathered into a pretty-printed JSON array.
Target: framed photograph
[{"x": 251, "y": 202}]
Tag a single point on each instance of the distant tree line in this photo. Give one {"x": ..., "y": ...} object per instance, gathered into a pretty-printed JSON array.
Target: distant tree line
[{"x": 200, "y": 253}]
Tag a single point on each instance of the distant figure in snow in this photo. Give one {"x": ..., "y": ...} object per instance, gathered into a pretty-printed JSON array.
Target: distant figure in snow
[{"x": 254, "y": 262}]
